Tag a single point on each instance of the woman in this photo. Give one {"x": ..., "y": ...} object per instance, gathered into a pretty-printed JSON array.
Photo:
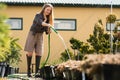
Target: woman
[{"x": 41, "y": 23}]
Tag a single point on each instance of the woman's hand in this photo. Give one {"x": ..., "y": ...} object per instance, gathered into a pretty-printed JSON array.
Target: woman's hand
[
  {"x": 49, "y": 30},
  {"x": 49, "y": 25},
  {"x": 44, "y": 24}
]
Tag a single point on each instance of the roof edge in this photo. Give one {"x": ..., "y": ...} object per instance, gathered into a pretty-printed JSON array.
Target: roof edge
[{"x": 62, "y": 5}]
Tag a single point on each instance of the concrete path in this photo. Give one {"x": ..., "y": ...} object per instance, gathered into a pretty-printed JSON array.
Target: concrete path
[{"x": 19, "y": 77}]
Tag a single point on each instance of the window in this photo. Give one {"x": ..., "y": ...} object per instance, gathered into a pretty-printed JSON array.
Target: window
[
  {"x": 15, "y": 23},
  {"x": 65, "y": 24}
]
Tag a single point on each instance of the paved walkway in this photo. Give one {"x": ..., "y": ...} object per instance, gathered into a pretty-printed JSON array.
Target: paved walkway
[{"x": 19, "y": 77}]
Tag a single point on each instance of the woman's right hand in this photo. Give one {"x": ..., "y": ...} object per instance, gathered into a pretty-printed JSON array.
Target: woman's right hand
[
  {"x": 49, "y": 30},
  {"x": 49, "y": 25}
]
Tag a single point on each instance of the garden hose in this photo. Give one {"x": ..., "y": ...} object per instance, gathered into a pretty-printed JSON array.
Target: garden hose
[
  {"x": 48, "y": 51},
  {"x": 49, "y": 46}
]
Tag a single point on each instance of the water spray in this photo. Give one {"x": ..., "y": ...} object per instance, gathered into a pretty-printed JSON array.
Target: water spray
[{"x": 62, "y": 41}]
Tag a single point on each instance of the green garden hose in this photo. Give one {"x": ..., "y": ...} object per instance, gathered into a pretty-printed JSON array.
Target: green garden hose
[
  {"x": 49, "y": 46},
  {"x": 48, "y": 51}
]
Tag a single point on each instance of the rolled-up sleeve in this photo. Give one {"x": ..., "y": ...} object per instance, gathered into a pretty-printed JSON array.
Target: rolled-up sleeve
[{"x": 38, "y": 19}]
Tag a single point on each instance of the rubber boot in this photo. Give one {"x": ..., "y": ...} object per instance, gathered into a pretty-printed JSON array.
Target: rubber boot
[
  {"x": 37, "y": 64},
  {"x": 29, "y": 58}
]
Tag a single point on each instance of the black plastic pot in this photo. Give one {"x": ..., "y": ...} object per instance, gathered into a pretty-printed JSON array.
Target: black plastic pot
[
  {"x": 13, "y": 70},
  {"x": 6, "y": 70},
  {"x": 67, "y": 72},
  {"x": 74, "y": 74},
  {"x": 107, "y": 72},
  {"x": 47, "y": 72},
  {"x": 16, "y": 70},
  {"x": 60, "y": 76},
  {"x": 3, "y": 66},
  {"x": 111, "y": 72}
]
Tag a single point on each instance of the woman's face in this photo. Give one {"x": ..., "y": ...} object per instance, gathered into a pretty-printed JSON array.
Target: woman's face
[{"x": 47, "y": 11}]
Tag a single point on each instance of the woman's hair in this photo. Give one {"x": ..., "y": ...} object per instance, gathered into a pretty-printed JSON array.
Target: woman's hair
[{"x": 51, "y": 16}]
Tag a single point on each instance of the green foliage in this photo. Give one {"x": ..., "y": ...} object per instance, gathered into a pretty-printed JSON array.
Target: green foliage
[
  {"x": 117, "y": 32},
  {"x": 100, "y": 40},
  {"x": 111, "y": 18},
  {"x": 76, "y": 44},
  {"x": 9, "y": 48},
  {"x": 2, "y": 6},
  {"x": 82, "y": 48},
  {"x": 14, "y": 52},
  {"x": 116, "y": 27},
  {"x": 86, "y": 49},
  {"x": 64, "y": 55},
  {"x": 116, "y": 38},
  {"x": 4, "y": 36},
  {"x": 53, "y": 62},
  {"x": 118, "y": 46}
]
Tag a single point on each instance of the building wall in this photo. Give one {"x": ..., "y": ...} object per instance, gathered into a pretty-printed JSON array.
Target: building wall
[{"x": 86, "y": 18}]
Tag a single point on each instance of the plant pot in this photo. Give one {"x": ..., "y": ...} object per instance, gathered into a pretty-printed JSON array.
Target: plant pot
[
  {"x": 67, "y": 73},
  {"x": 98, "y": 73},
  {"x": 47, "y": 72},
  {"x": 12, "y": 70},
  {"x": 108, "y": 72},
  {"x": 3, "y": 69},
  {"x": 7, "y": 70},
  {"x": 16, "y": 70},
  {"x": 75, "y": 74},
  {"x": 111, "y": 72},
  {"x": 59, "y": 76}
]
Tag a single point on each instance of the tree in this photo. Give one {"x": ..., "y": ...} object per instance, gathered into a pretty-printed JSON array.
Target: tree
[
  {"x": 82, "y": 48},
  {"x": 99, "y": 40}
]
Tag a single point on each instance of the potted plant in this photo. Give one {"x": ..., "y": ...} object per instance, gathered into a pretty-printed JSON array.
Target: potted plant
[
  {"x": 13, "y": 58},
  {"x": 111, "y": 18},
  {"x": 110, "y": 21},
  {"x": 116, "y": 31},
  {"x": 4, "y": 35},
  {"x": 4, "y": 41},
  {"x": 116, "y": 35},
  {"x": 99, "y": 40}
]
